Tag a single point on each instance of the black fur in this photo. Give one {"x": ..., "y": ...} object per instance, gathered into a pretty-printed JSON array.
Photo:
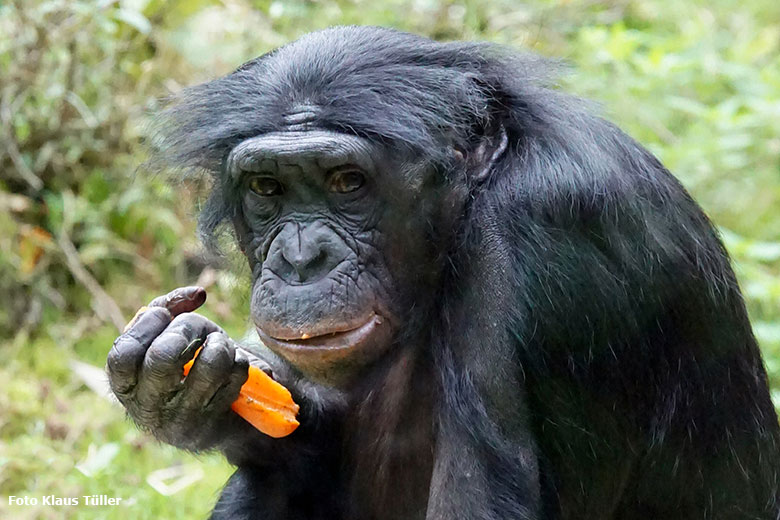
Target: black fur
[{"x": 588, "y": 356}]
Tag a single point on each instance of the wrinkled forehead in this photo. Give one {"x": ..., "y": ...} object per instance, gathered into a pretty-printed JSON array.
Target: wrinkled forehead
[{"x": 308, "y": 148}]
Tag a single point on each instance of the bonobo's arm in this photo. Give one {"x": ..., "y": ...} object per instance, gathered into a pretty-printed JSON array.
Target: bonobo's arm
[{"x": 145, "y": 368}]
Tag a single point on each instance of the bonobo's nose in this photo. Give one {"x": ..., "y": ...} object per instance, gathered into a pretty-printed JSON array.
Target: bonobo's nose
[{"x": 304, "y": 253}]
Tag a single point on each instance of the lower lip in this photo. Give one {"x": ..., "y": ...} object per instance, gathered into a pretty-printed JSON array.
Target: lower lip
[{"x": 335, "y": 341}]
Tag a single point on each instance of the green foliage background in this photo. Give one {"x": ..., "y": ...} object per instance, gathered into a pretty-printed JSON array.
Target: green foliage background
[{"x": 85, "y": 240}]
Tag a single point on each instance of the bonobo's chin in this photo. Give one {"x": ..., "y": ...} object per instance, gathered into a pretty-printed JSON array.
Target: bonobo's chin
[{"x": 332, "y": 357}]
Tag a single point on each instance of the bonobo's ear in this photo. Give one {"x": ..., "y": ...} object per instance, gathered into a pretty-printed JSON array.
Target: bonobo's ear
[{"x": 484, "y": 153}]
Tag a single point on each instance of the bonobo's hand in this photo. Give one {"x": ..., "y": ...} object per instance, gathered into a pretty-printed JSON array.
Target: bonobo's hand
[{"x": 145, "y": 370}]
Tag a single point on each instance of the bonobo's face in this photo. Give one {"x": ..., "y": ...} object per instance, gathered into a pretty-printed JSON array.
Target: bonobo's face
[{"x": 328, "y": 227}]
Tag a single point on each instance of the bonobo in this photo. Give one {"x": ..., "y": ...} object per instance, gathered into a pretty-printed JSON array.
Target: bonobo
[{"x": 489, "y": 303}]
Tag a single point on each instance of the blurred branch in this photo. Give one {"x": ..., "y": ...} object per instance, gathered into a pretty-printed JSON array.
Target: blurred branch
[
  {"x": 103, "y": 304},
  {"x": 22, "y": 169},
  {"x": 12, "y": 150}
]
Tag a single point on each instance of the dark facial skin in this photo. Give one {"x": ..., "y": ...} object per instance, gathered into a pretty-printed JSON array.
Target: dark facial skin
[
  {"x": 327, "y": 226},
  {"x": 310, "y": 222},
  {"x": 319, "y": 222}
]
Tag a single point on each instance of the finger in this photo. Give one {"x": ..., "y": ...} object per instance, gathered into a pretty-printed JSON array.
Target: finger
[
  {"x": 181, "y": 300},
  {"x": 254, "y": 360},
  {"x": 134, "y": 319},
  {"x": 149, "y": 325},
  {"x": 163, "y": 366},
  {"x": 125, "y": 358},
  {"x": 215, "y": 378},
  {"x": 178, "y": 301}
]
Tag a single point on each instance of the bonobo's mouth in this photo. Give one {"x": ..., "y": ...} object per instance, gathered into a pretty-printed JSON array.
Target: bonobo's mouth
[
  {"x": 335, "y": 339},
  {"x": 323, "y": 355}
]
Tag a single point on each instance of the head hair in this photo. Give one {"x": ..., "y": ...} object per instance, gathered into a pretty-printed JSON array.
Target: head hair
[{"x": 402, "y": 90}]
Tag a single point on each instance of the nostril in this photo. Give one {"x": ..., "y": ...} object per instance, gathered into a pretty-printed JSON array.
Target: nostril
[
  {"x": 302, "y": 255},
  {"x": 302, "y": 263},
  {"x": 307, "y": 265},
  {"x": 306, "y": 261}
]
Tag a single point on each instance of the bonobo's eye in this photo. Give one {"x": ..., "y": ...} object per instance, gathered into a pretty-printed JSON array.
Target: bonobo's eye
[
  {"x": 346, "y": 179},
  {"x": 265, "y": 186}
]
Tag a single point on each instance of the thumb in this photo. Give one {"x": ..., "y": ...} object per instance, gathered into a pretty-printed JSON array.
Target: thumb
[{"x": 183, "y": 299}]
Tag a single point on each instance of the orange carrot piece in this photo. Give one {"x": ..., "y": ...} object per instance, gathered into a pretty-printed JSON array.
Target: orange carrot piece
[{"x": 263, "y": 403}]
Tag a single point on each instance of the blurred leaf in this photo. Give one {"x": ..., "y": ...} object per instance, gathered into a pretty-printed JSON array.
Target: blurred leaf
[
  {"x": 32, "y": 243},
  {"x": 752, "y": 249},
  {"x": 767, "y": 332},
  {"x": 134, "y": 19},
  {"x": 98, "y": 458}
]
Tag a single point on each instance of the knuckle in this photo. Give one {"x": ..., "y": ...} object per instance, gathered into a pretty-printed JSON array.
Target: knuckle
[
  {"x": 114, "y": 361},
  {"x": 124, "y": 354},
  {"x": 196, "y": 322},
  {"x": 183, "y": 323},
  {"x": 218, "y": 337},
  {"x": 155, "y": 316},
  {"x": 215, "y": 359},
  {"x": 192, "y": 318},
  {"x": 151, "y": 323},
  {"x": 240, "y": 361},
  {"x": 190, "y": 324},
  {"x": 164, "y": 351},
  {"x": 162, "y": 299}
]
